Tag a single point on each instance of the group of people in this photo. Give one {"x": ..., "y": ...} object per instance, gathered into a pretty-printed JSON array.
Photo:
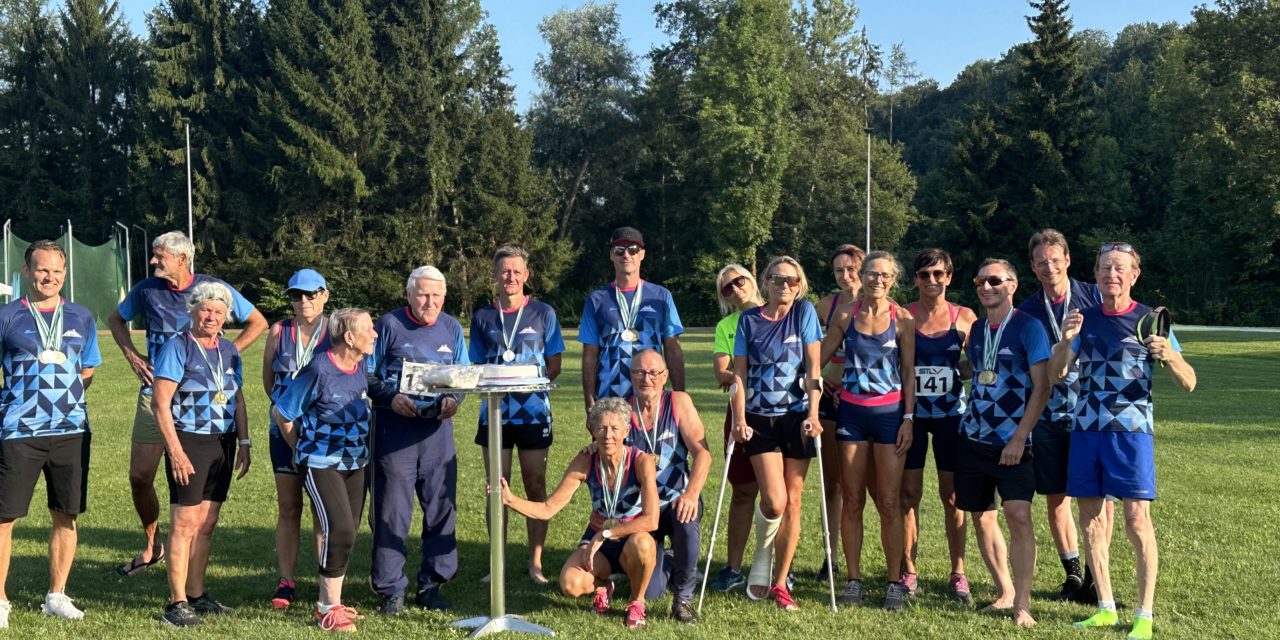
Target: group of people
[{"x": 1060, "y": 404}]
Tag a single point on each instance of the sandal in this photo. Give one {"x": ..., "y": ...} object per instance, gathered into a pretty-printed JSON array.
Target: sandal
[{"x": 136, "y": 565}]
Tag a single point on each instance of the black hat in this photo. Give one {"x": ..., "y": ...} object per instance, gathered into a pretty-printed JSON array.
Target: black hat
[{"x": 623, "y": 236}]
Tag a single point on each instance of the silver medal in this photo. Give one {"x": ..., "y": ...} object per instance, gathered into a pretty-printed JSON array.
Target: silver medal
[
  {"x": 49, "y": 356},
  {"x": 629, "y": 335},
  {"x": 508, "y": 356},
  {"x": 987, "y": 378}
]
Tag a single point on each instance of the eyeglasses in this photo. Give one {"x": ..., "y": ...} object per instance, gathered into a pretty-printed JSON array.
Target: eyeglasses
[
  {"x": 932, "y": 274},
  {"x": 727, "y": 288},
  {"x": 784, "y": 279},
  {"x": 991, "y": 281},
  {"x": 879, "y": 275},
  {"x": 1054, "y": 262},
  {"x": 1123, "y": 247},
  {"x": 652, "y": 375},
  {"x": 296, "y": 296},
  {"x": 631, "y": 249}
]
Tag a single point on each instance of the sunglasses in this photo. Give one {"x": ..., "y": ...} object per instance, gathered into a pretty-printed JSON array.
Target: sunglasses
[
  {"x": 727, "y": 288},
  {"x": 631, "y": 249},
  {"x": 296, "y": 296},
  {"x": 932, "y": 274},
  {"x": 991, "y": 281},
  {"x": 784, "y": 279},
  {"x": 1123, "y": 247}
]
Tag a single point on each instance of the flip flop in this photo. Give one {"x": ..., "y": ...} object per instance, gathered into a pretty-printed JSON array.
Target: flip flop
[{"x": 136, "y": 566}]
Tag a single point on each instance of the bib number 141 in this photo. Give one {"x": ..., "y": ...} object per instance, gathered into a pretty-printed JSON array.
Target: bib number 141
[{"x": 934, "y": 381}]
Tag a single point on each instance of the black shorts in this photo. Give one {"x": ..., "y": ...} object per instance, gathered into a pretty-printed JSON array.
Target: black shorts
[
  {"x": 946, "y": 442},
  {"x": 979, "y": 476},
  {"x": 281, "y": 455},
  {"x": 64, "y": 460},
  {"x": 784, "y": 433},
  {"x": 212, "y": 457},
  {"x": 1051, "y": 442},
  {"x": 829, "y": 407},
  {"x": 527, "y": 437}
]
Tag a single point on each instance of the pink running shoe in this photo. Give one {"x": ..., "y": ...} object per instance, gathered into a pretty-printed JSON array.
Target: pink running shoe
[
  {"x": 911, "y": 581},
  {"x": 600, "y": 603},
  {"x": 337, "y": 619},
  {"x": 635, "y": 614},
  {"x": 782, "y": 597},
  {"x": 960, "y": 588}
]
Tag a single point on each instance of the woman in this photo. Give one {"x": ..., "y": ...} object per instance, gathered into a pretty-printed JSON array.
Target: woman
[
  {"x": 624, "y": 503},
  {"x": 290, "y": 346},
  {"x": 942, "y": 331},
  {"x": 200, "y": 413},
  {"x": 846, "y": 266},
  {"x": 736, "y": 292},
  {"x": 324, "y": 417},
  {"x": 876, "y": 415},
  {"x": 775, "y": 418}
]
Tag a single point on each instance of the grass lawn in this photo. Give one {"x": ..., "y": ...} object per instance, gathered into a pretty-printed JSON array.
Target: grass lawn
[{"x": 1217, "y": 457}]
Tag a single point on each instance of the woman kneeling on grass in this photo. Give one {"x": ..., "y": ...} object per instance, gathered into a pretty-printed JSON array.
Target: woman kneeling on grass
[
  {"x": 324, "y": 417},
  {"x": 624, "y": 503}
]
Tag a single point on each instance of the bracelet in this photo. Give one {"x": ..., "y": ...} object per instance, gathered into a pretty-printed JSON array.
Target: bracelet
[{"x": 246, "y": 442}]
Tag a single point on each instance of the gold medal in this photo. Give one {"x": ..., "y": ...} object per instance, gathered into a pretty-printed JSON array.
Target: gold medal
[
  {"x": 987, "y": 377},
  {"x": 609, "y": 524},
  {"x": 220, "y": 398}
]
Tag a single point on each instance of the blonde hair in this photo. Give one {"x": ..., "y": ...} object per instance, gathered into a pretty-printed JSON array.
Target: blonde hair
[
  {"x": 726, "y": 307},
  {"x": 788, "y": 260}
]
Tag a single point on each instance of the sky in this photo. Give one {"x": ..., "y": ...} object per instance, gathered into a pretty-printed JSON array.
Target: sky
[{"x": 941, "y": 36}]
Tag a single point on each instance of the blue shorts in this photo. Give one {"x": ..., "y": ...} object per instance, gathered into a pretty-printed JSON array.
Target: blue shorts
[
  {"x": 1112, "y": 463},
  {"x": 877, "y": 424},
  {"x": 281, "y": 454},
  {"x": 946, "y": 442}
]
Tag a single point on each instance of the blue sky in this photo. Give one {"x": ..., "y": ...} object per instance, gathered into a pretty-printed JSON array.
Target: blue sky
[{"x": 941, "y": 36}]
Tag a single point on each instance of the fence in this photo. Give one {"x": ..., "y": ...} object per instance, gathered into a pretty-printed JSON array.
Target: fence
[{"x": 97, "y": 276}]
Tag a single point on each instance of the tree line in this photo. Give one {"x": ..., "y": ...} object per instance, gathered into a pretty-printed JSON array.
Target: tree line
[{"x": 365, "y": 137}]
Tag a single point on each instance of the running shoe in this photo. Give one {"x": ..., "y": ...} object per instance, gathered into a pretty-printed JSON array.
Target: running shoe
[
  {"x": 682, "y": 612},
  {"x": 1070, "y": 587},
  {"x": 204, "y": 605},
  {"x": 392, "y": 605},
  {"x": 1100, "y": 618},
  {"x": 284, "y": 594},
  {"x": 959, "y": 586},
  {"x": 782, "y": 597},
  {"x": 1087, "y": 594},
  {"x": 912, "y": 582},
  {"x": 180, "y": 614},
  {"x": 338, "y": 618},
  {"x": 635, "y": 614},
  {"x": 823, "y": 572},
  {"x": 852, "y": 594},
  {"x": 1141, "y": 629},
  {"x": 895, "y": 597},
  {"x": 59, "y": 605},
  {"x": 4, "y": 614},
  {"x": 791, "y": 580},
  {"x": 600, "y": 603},
  {"x": 429, "y": 598},
  {"x": 728, "y": 579}
]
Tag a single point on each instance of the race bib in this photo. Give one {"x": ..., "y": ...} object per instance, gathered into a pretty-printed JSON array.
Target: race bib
[{"x": 934, "y": 381}]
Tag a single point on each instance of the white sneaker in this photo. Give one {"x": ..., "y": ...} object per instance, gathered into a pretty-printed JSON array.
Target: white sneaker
[
  {"x": 4, "y": 614},
  {"x": 59, "y": 606}
]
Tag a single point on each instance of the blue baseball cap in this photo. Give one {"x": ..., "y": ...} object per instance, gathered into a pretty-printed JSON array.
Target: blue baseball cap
[{"x": 306, "y": 280}]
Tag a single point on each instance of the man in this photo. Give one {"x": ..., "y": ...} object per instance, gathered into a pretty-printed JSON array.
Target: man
[
  {"x": 624, "y": 318},
  {"x": 518, "y": 330},
  {"x": 162, "y": 301},
  {"x": 1112, "y": 451},
  {"x": 1009, "y": 353},
  {"x": 666, "y": 425},
  {"x": 413, "y": 448},
  {"x": 50, "y": 351},
  {"x": 1051, "y": 440}
]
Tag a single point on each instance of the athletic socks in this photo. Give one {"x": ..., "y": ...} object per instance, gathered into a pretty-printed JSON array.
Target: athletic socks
[
  {"x": 762, "y": 561},
  {"x": 324, "y": 608},
  {"x": 1142, "y": 613},
  {"x": 1071, "y": 563}
]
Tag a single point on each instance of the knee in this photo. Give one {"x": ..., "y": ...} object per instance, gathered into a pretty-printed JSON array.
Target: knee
[
  {"x": 1018, "y": 519},
  {"x": 889, "y": 504},
  {"x": 640, "y": 545},
  {"x": 575, "y": 583},
  {"x": 854, "y": 499},
  {"x": 794, "y": 500},
  {"x": 772, "y": 505},
  {"x": 535, "y": 487},
  {"x": 185, "y": 526},
  {"x": 289, "y": 510},
  {"x": 342, "y": 536},
  {"x": 911, "y": 495},
  {"x": 1138, "y": 524},
  {"x": 207, "y": 526},
  {"x": 141, "y": 478}
]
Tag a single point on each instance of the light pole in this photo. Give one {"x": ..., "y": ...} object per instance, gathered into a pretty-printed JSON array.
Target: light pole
[
  {"x": 186, "y": 125},
  {"x": 868, "y": 129}
]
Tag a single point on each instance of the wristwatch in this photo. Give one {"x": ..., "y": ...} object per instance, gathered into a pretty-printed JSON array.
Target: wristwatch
[
  {"x": 909, "y": 416},
  {"x": 245, "y": 442},
  {"x": 607, "y": 534}
]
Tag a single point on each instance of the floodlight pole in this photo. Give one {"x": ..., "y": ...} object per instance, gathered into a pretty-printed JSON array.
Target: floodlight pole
[
  {"x": 191, "y": 235},
  {"x": 868, "y": 188}
]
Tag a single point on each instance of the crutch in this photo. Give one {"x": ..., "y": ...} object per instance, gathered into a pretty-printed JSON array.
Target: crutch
[
  {"x": 715, "y": 527},
  {"x": 826, "y": 526}
]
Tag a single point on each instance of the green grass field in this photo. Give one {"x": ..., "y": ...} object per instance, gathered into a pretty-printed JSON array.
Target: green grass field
[{"x": 1216, "y": 522}]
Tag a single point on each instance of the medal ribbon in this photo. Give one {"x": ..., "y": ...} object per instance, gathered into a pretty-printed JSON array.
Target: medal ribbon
[
  {"x": 509, "y": 340},
  {"x": 628, "y": 311},
  {"x": 51, "y": 331},
  {"x": 305, "y": 351},
  {"x": 650, "y": 435},
  {"x": 218, "y": 378},
  {"x": 1053, "y": 317},
  {"x": 991, "y": 352},
  {"x": 611, "y": 499}
]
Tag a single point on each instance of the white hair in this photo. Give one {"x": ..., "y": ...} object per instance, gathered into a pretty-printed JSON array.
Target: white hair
[
  {"x": 425, "y": 272},
  {"x": 209, "y": 291},
  {"x": 344, "y": 320},
  {"x": 175, "y": 243}
]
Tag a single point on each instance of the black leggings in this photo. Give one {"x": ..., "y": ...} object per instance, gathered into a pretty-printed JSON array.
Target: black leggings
[{"x": 337, "y": 500}]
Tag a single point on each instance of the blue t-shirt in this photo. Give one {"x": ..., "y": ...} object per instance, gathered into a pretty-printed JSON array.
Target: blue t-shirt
[
  {"x": 285, "y": 362},
  {"x": 995, "y": 409},
  {"x": 401, "y": 337},
  {"x": 1062, "y": 401},
  {"x": 536, "y": 339},
  {"x": 1115, "y": 372},
  {"x": 774, "y": 350},
  {"x": 45, "y": 399},
  {"x": 194, "y": 408},
  {"x": 602, "y": 326},
  {"x": 330, "y": 413},
  {"x": 165, "y": 310}
]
